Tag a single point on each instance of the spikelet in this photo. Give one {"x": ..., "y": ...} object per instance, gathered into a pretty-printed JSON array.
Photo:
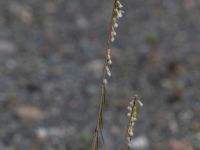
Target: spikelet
[
  {"x": 132, "y": 114},
  {"x": 117, "y": 13},
  {"x": 108, "y": 57}
]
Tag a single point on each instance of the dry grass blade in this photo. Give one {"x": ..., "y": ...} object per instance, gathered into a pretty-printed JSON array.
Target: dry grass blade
[{"x": 99, "y": 125}]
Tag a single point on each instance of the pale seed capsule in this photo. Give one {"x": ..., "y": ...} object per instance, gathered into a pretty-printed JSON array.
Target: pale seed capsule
[
  {"x": 105, "y": 81},
  {"x": 140, "y": 103},
  {"x": 108, "y": 54},
  {"x": 112, "y": 39},
  {"x": 110, "y": 62},
  {"x": 113, "y": 33},
  {"x": 108, "y": 71},
  {"x": 116, "y": 25},
  {"x": 119, "y": 4},
  {"x": 119, "y": 14},
  {"x": 129, "y": 108},
  {"x": 131, "y": 133}
]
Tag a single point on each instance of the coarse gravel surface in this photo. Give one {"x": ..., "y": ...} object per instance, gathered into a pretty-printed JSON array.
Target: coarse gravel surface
[{"x": 51, "y": 58}]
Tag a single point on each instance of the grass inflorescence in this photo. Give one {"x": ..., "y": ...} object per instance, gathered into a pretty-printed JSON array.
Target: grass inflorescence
[
  {"x": 98, "y": 136},
  {"x": 116, "y": 14},
  {"x": 132, "y": 114}
]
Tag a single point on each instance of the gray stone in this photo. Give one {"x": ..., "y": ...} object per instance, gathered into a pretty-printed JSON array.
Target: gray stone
[
  {"x": 140, "y": 143},
  {"x": 7, "y": 46}
]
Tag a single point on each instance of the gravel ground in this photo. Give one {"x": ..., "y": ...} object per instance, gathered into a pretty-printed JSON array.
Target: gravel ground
[{"x": 51, "y": 56}]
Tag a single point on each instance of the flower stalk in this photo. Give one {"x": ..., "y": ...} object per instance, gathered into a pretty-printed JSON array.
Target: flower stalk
[{"x": 116, "y": 14}]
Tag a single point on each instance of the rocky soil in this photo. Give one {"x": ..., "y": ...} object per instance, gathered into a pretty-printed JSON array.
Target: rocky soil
[{"x": 51, "y": 57}]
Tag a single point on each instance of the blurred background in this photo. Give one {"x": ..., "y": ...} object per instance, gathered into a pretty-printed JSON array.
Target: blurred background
[{"x": 51, "y": 57}]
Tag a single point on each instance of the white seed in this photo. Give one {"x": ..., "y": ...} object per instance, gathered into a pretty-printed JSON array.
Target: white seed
[
  {"x": 131, "y": 133},
  {"x": 105, "y": 81},
  {"x": 112, "y": 39},
  {"x": 119, "y": 14},
  {"x": 109, "y": 61},
  {"x": 113, "y": 33},
  {"x": 140, "y": 103},
  {"x": 116, "y": 25},
  {"x": 129, "y": 108},
  {"x": 108, "y": 71},
  {"x": 120, "y": 5}
]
